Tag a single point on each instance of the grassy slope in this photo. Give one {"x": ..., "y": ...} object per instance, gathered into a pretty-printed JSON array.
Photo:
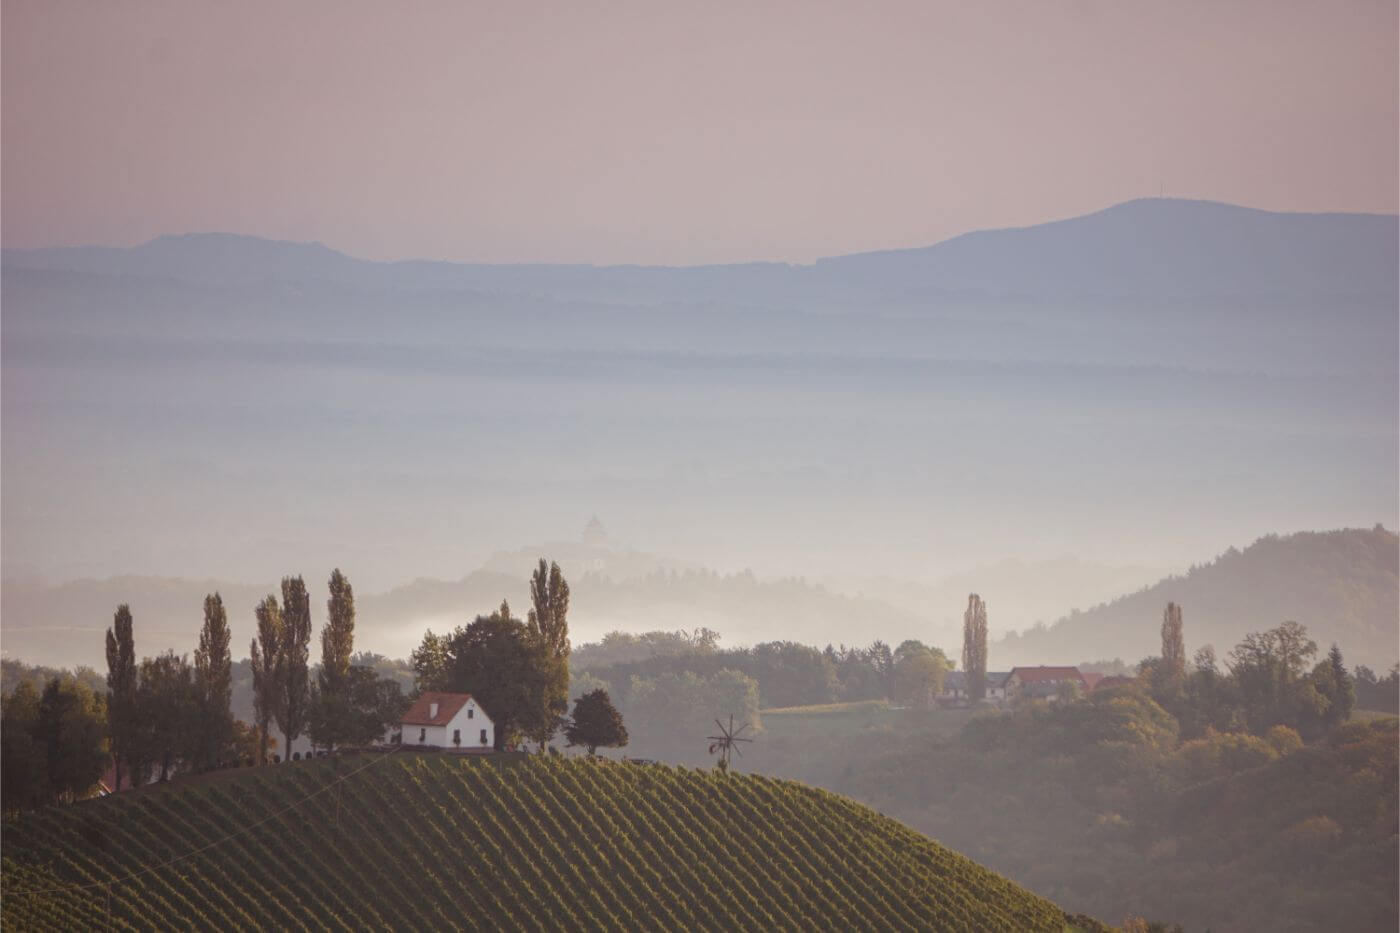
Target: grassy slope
[{"x": 420, "y": 842}]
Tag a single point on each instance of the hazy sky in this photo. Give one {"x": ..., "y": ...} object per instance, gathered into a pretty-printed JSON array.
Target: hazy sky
[{"x": 677, "y": 133}]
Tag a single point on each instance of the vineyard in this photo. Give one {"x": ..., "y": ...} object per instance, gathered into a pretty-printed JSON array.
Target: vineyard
[{"x": 436, "y": 842}]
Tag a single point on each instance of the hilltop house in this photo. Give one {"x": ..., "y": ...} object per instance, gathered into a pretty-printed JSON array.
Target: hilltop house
[
  {"x": 447, "y": 720},
  {"x": 955, "y": 687},
  {"x": 1043, "y": 682}
]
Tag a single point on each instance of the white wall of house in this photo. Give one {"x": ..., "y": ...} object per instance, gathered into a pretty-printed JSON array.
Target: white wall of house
[{"x": 471, "y": 724}]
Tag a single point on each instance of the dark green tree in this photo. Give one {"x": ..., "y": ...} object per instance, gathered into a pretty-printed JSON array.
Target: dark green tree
[
  {"x": 360, "y": 713},
  {"x": 263, "y": 653},
  {"x": 72, "y": 729},
  {"x": 24, "y": 772},
  {"x": 1342, "y": 700},
  {"x": 293, "y": 661},
  {"x": 495, "y": 660},
  {"x": 596, "y": 723},
  {"x": 121, "y": 692},
  {"x": 213, "y": 688},
  {"x": 166, "y": 700}
]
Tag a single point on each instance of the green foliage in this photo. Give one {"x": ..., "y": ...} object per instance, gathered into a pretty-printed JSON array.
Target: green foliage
[
  {"x": 338, "y": 635},
  {"x": 1173, "y": 644},
  {"x": 212, "y": 730},
  {"x": 347, "y": 706},
  {"x": 24, "y": 767},
  {"x": 671, "y": 714},
  {"x": 359, "y": 713},
  {"x": 596, "y": 723},
  {"x": 626, "y": 647},
  {"x": 1097, "y": 802},
  {"x": 789, "y": 674},
  {"x": 123, "y": 723},
  {"x": 432, "y": 662},
  {"x": 974, "y": 652},
  {"x": 1381, "y": 694},
  {"x": 293, "y": 659},
  {"x": 53, "y": 745},
  {"x": 548, "y": 627},
  {"x": 495, "y": 660},
  {"x": 167, "y": 713},
  {"x": 263, "y": 654},
  {"x": 72, "y": 727},
  {"x": 433, "y": 842},
  {"x": 1221, "y": 753},
  {"x": 1284, "y": 740},
  {"x": 918, "y": 674}
]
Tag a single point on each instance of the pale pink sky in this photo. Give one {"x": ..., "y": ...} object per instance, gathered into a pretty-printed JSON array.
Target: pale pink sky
[{"x": 678, "y": 133}]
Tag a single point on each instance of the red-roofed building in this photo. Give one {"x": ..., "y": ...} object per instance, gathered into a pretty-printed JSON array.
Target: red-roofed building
[
  {"x": 1091, "y": 679},
  {"x": 447, "y": 720},
  {"x": 1043, "y": 682}
]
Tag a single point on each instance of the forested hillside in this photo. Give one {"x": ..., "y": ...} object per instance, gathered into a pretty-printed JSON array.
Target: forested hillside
[
  {"x": 1097, "y": 805},
  {"x": 1341, "y": 585},
  {"x": 439, "y": 842}
]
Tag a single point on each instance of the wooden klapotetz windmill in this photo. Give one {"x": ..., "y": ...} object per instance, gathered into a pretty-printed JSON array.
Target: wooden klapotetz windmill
[{"x": 727, "y": 742}]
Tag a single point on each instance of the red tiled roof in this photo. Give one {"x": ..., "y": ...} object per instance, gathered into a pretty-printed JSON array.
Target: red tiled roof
[
  {"x": 1043, "y": 675},
  {"x": 1091, "y": 679},
  {"x": 448, "y": 704}
]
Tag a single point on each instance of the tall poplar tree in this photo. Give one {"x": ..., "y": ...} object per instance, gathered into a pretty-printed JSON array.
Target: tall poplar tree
[
  {"x": 548, "y": 625},
  {"x": 1173, "y": 644},
  {"x": 293, "y": 670},
  {"x": 338, "y": 637},
  {"x": 121, "y": 692},
  {"x": 213, "y": 687},
  {"x": 974, "y": 653},
  {"x": 330, "y": 713},
  {"x": 263, "y": 654}
]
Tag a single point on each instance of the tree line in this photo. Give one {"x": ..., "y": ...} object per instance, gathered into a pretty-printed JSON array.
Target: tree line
[
  {"x": 168, "y": 714},
  {"x": 1269, "y": 679}
]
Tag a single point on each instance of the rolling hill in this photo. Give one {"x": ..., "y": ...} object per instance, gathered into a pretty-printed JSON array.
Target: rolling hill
[
  {"x": 1341, "y": 584},
  {"x": 1152, "y": 247},
  {"x": 429, "y": 842}
]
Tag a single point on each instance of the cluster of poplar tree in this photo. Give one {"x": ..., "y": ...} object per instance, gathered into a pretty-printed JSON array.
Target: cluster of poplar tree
[
  {"x": 519, "y": 670},
  {"x": 343, "y": 704},
  {"x": 164, "y": 713}
]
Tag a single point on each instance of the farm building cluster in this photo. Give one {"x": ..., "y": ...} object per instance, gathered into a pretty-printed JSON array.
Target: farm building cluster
[{"x": 1025, "y": 683}]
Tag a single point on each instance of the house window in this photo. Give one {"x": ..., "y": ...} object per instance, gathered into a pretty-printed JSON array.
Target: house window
[
  {"x": 456, "y": 736},
  {"x": 483, "y": 736},
  {"x": 470, "y": 711},
  {"x": 422, "y": 736}
]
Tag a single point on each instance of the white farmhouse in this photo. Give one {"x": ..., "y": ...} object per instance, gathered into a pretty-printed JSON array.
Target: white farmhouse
[{"x": 448, "y": 720}]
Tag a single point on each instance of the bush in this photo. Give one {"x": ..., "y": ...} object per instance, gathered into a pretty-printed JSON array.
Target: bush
[{"x": 1284, "y": 739}]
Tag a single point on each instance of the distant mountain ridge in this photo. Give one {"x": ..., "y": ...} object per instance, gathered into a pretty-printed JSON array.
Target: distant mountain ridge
[
  {"x": 1341, "y": 584},
  {"x": 1166, "y": 249}
]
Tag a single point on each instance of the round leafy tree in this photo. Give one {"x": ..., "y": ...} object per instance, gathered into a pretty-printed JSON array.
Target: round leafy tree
[{"x": 596, "y": 722}]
